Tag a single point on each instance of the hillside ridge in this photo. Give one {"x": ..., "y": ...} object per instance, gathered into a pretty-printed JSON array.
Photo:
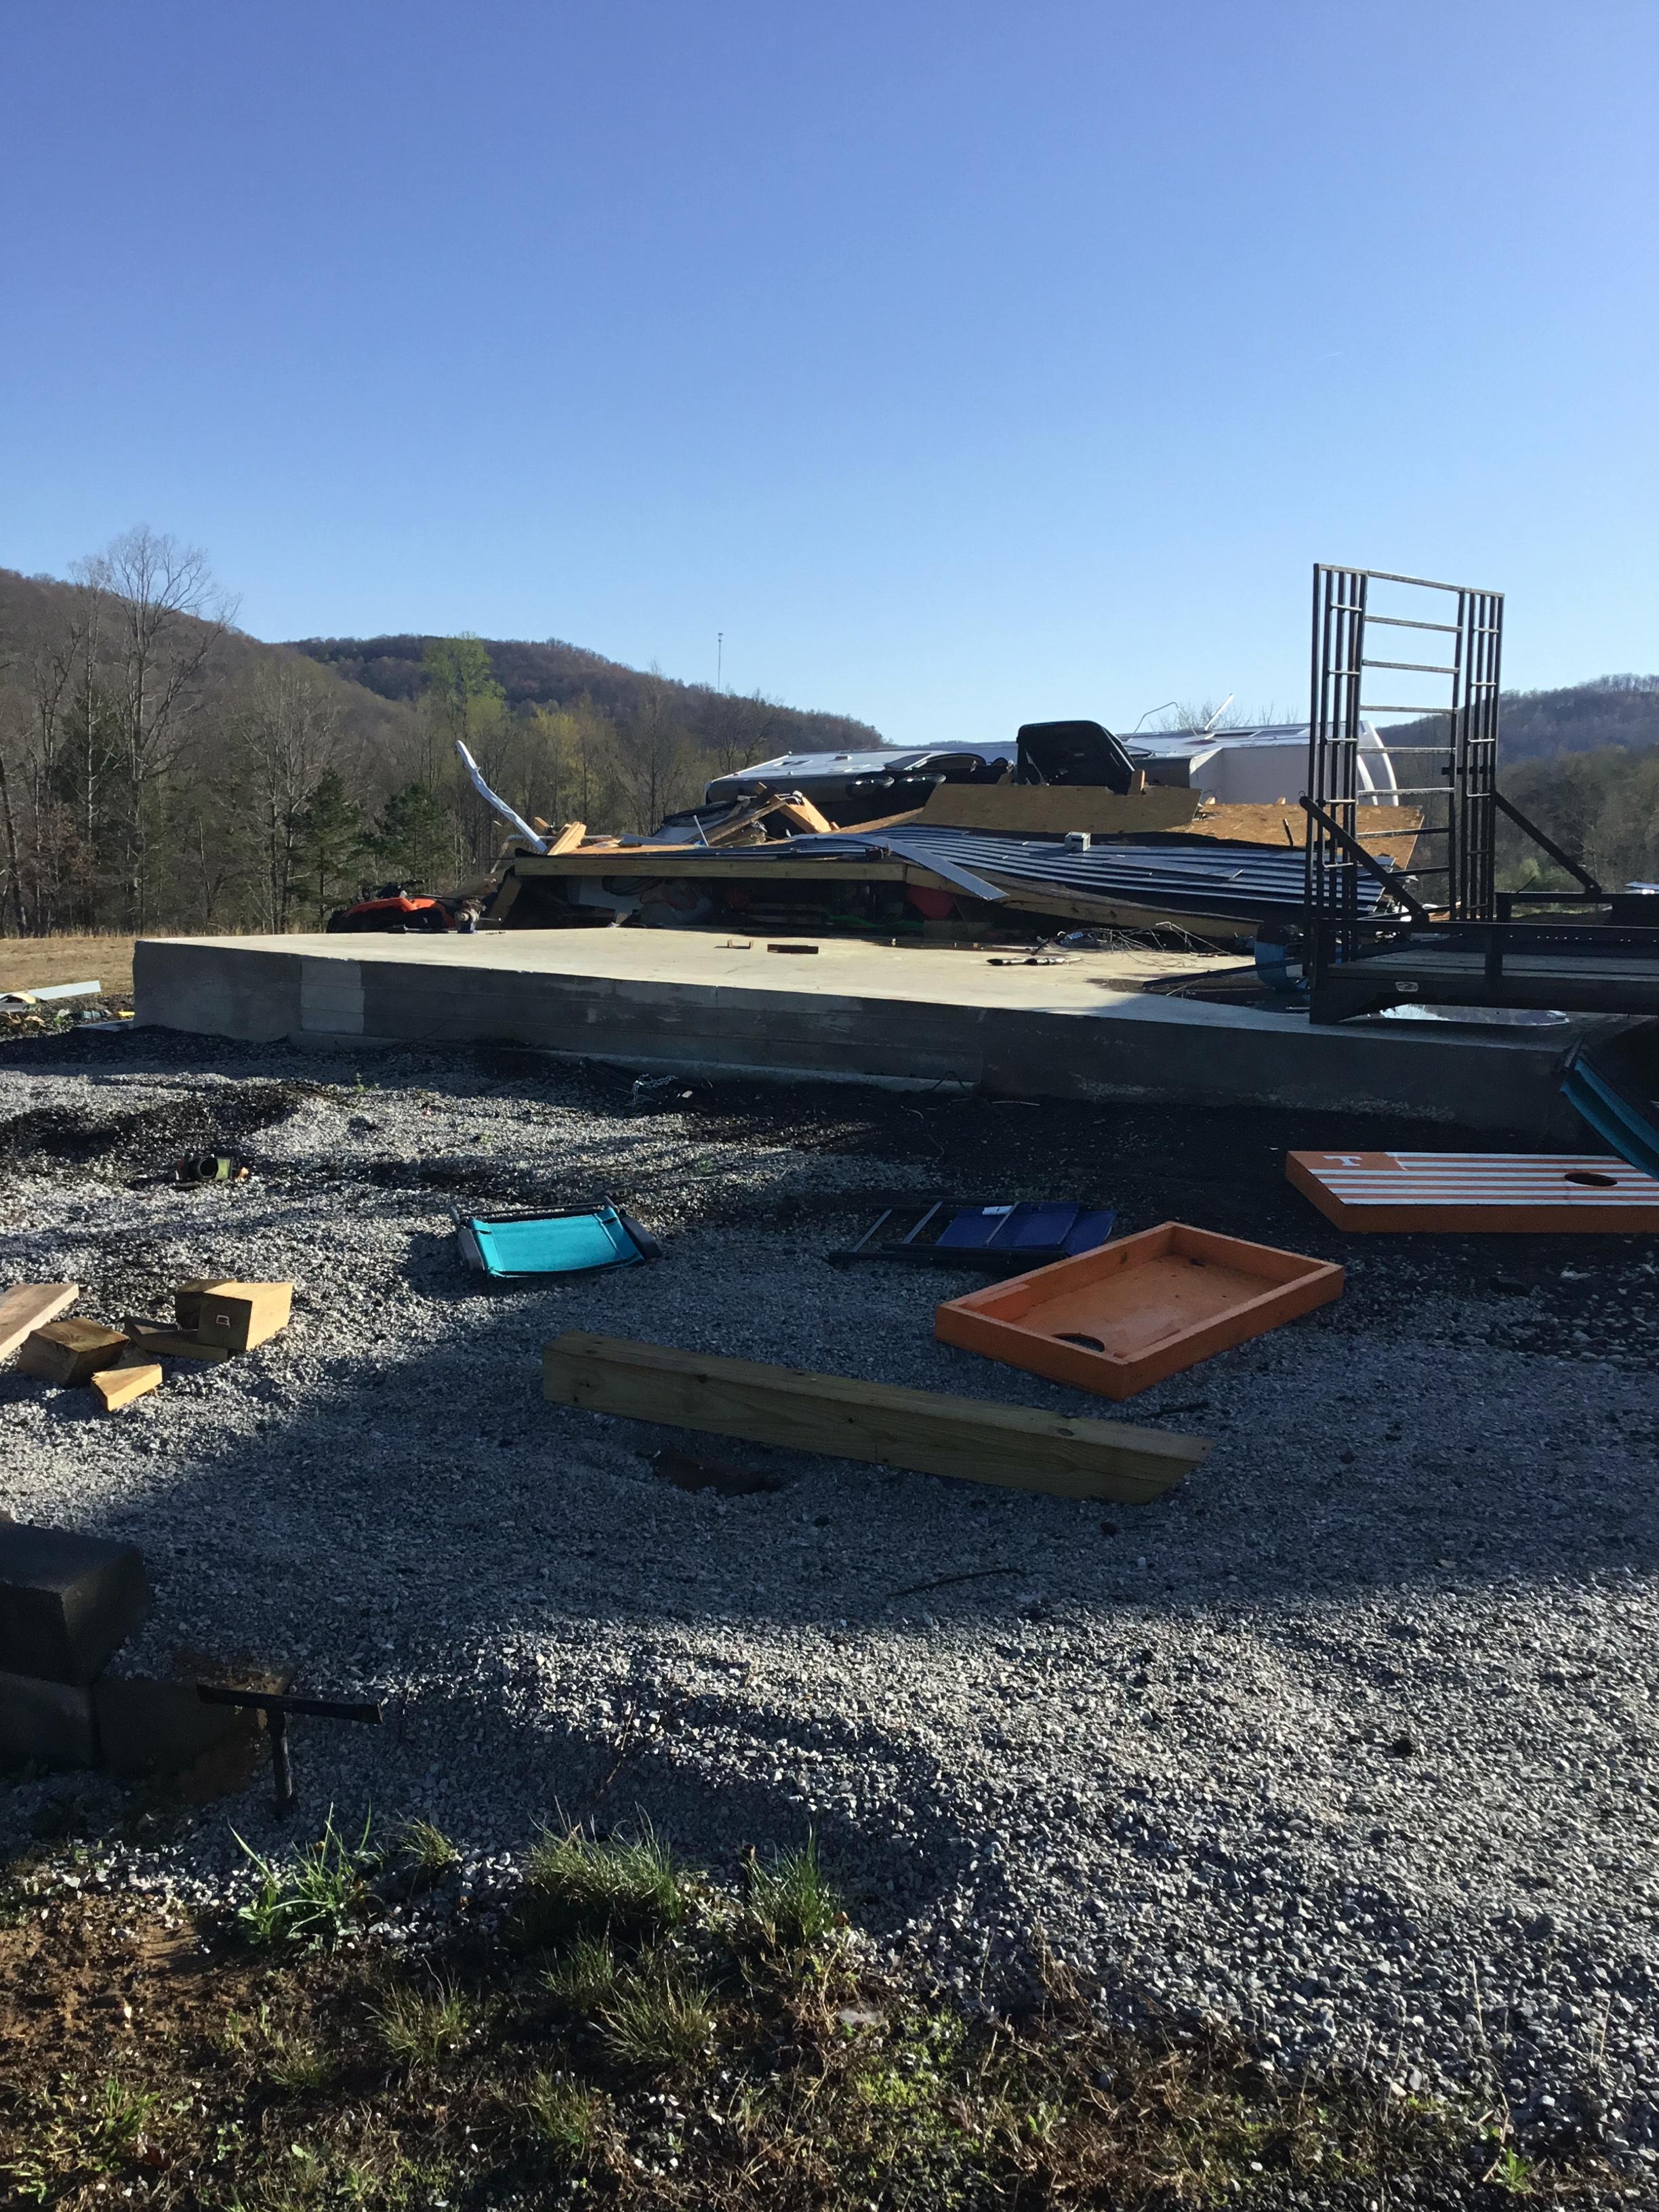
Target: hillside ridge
[{"x": 552, "y": 672}]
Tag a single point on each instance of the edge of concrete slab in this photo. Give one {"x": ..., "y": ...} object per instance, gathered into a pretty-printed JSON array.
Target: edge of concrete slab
[{"x": 1120, "y": 1047}]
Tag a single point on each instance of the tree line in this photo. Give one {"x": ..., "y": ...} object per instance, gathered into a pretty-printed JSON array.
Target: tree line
[{"x": 161, "y": 770}]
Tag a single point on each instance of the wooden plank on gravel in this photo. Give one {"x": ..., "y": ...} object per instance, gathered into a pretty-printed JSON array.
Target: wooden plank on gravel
[
  {"x": 28, "y": 1308},
  {"x": 1010, "y": 1446}
]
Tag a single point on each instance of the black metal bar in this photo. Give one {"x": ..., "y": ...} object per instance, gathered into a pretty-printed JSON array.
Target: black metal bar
[
  {"x": 1361, "y": 859},
  {"x": 1593, "y": 890},
  {"x": 1386, "y": 576},
  {"x": 282, "y": 1764},
  {"x": 1399, "y": 622},
  {"x": 280, "y": 1701},
  {"x": 279, "y": 1707},
  {"x": 853, "y": 1251}
]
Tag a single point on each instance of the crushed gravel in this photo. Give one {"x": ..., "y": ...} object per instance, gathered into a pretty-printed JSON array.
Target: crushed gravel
[{"x": 1352, "y": 1739}]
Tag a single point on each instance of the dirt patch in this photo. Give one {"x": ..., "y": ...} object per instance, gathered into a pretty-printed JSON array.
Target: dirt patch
[{"x": 153, "y": 1138}]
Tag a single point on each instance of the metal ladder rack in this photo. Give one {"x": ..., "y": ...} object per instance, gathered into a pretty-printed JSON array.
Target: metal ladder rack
[
  {"x": 1464, "y": 944},
  {"x": 1461, "y": 793}
]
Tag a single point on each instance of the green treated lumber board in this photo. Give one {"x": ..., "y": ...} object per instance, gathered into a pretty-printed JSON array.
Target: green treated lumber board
[{"x": 1010, "y": 1446}]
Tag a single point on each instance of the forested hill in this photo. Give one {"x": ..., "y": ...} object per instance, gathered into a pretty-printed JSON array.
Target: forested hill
[
  {"x": 1580, "y": 718},
  {"x": 555, "y": 674},
  {"x": 161, "y": 769},
  {"x": 1583, "y": 763}
]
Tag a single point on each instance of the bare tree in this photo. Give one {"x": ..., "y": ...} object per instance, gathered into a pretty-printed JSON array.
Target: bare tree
[
  {"x": 654, "y": 751},
  {"x": 162, "y": 616},
  {"x": 285, "y": 739},
  {"x": 738, "y": 730}
]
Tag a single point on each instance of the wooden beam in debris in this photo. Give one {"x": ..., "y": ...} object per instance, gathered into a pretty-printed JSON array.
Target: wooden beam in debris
[
  {"x": 657, "y": 864},
  {"x": 29, "y": 1307},
  {"x": 1009, "y": 1446},
  {"x": 1032, "y": 810}
]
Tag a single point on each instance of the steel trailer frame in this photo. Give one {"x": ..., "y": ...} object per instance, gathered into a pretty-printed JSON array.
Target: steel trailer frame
[{"x": 1428, "y": 938}]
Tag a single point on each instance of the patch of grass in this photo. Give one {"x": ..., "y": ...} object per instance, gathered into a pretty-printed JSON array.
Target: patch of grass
[
  {"x": 702, "y": 2068},
  {"x": 585, "y": 1976},
  {"x": 657, "y": 2021},
  {"x": 294, "y": 2062},
  {"x": 422, "y": 1849},
  {"x": 81, "y": 2141},
  {"x": 792, "y": 1904},
  {"x": 576, "y": 1885},
  {"x": 308, "y": 1903},
  {"x": 120, "y": 2115},
  {"x": 565, "y": 2116},
  {"x": 420, "y": 2030},
  {"x": 1509, "y": 2172}
]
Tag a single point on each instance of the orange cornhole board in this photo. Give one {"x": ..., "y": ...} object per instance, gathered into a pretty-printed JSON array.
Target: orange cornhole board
[
  {"x": 1478, "y": 1191},
  {"x": 1122, "y": 1318}
]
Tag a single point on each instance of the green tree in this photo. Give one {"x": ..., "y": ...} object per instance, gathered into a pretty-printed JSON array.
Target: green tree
[
  {"x": 466, "y": 699},
  {"x": 332, "y": 846},
  {"x": 415, "y": 840}
]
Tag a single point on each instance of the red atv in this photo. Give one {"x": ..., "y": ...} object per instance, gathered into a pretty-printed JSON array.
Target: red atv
[{"x": 393, "y": 908}]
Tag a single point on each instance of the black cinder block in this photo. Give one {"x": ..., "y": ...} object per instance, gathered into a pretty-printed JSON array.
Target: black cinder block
[{"x": 67, "y": 1601}]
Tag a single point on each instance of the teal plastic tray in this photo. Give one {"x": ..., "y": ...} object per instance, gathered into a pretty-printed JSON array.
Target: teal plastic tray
[{"x": 550, "y": 1244}]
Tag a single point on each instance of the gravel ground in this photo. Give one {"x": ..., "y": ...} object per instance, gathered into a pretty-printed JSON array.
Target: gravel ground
[{"x": 1350, "y": 1739}]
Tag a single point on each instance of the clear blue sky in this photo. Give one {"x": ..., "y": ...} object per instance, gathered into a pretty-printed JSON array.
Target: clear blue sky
[{"x": 964, "y": 363}]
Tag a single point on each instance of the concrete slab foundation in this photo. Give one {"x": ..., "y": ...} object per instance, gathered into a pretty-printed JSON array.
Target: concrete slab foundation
[{"x": 934, "y": 1017}]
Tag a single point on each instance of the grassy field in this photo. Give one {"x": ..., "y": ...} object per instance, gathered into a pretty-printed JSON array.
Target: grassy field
[{"x": 27, "y": 961}]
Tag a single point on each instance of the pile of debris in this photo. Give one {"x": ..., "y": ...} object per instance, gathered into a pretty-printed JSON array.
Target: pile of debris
[
  {"x": 1070, "y": 832},
  {"x": 213, "y": 1321}
]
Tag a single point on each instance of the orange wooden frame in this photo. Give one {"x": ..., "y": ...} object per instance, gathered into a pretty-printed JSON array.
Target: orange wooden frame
[{"x": 1144, "y": 1308}]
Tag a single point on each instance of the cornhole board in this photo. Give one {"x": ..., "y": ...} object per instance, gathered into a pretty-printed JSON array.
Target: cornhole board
[
  {"x": 1479, "y": 1192},
  {"x": 1119, "y": 1318}
]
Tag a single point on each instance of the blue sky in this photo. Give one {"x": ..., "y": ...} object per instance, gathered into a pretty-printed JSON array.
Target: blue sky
[{"x": 965, "y": 364}]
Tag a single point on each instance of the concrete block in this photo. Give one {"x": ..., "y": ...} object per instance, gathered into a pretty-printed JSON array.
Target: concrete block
[
  {"x": 145, "y": 1725},
  {"x": 50, "y": 1724},
  {"x": 67, "y": 1600}
]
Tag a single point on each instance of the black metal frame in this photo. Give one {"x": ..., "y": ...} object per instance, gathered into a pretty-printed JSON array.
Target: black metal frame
[
  {"x": 1470, "y": 913},
  {"x": 1468, "y": 752}
]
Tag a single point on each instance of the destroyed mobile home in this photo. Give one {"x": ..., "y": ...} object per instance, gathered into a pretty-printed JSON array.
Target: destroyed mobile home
[{"x": 1065, "y": 828}]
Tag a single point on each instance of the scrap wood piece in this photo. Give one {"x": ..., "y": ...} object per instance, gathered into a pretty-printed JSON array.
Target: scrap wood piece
[
  {"x": 1479, "y": 1193},
  {"x": 569, "y": 838},
  {"x": 1011, "y": 1446},
  {"x": 128, "y": 1379},
  {"x": 882, "y": 822},
  {"x": 801, "y": 813},
  {"x": 156, "y": 1340},
  {"x": 239, "y": 1316},
  {"x": 1035, "y": 809},
  {"x": 29, "y": 1307},
  {"x": 69, "y": 1352}
]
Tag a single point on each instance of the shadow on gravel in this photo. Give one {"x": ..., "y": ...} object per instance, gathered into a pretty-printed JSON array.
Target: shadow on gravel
[{"x": 415, "y": 1504}]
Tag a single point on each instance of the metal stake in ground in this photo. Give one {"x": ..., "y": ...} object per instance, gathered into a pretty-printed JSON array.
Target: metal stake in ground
[{"x": 279, "y": 1709}]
